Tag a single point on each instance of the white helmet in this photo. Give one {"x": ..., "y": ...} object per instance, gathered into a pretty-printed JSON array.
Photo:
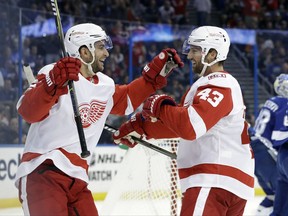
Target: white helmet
[
  {"x": 208, "y": 37},
  {"x": 281, "y": 85},
  {"x": 85, "y": 34}
]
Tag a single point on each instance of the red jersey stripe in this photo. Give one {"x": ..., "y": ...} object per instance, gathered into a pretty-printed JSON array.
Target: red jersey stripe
[
  {"x": 73, "y": 158},
  {"x": 219, "y": 170}
]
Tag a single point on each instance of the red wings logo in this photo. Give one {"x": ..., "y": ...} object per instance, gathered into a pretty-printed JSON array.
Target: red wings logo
[{"x": 90, "y": 113}]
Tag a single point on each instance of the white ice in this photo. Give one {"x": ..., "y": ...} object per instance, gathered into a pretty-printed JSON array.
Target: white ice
[{"x": 249, "y": 211}]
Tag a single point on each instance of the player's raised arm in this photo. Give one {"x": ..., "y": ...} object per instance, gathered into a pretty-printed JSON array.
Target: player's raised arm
[
  {"x": 154, "y": 77},
  {"x": 50, "y": 85}
]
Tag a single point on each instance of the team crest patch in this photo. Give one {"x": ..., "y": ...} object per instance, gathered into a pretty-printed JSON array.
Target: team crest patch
[{"x": 90, "y": 113}]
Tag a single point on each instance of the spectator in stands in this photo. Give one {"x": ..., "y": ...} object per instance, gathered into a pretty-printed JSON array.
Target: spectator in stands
[
  {"x": 180, "y": 9},
  {"x": 274, "y": 68},
  {"x": 167, "y": 12},
  {"x": 118, "y": 9},
  {"x": 232, "y": 14},
  {"x": 4, "y": 114},
  {"x": 52, "y": 53},
  {"x": 8, "y": 92},
  {"x": 119, "y": 34},
  {"x": 277, "y": 18},
  {"x": 31, "y": 58},
  {"x": 265, "y": 55},
  {"x": 203, "y": 9},
  {"x": 151, "y": 51},
  {"x": 13, "y": 134},
  {"x": 117, "y": 59},
  {"x": 6, "y": 137},
  {"x": 265, "y": 21},
  {"x": 138, "y": 56},
  {"x": 251, "y": 12},
  {"x": 285, "y": 66},
  {"x": 270, "y": 6},
  {"x": 136, "y": 11},
  {"x": 151, "y": 12},
  {"x": 9, "y": 125},
  {"x": 52, "y": 177}
]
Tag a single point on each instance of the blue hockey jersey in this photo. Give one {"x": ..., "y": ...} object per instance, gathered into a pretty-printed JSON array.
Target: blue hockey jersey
[{"x": 272, "y": 121}]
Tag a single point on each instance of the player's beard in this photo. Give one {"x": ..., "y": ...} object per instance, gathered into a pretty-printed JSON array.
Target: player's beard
[
  {"x": 197, "y": 68},
  {"x": 97, "y": 66}
]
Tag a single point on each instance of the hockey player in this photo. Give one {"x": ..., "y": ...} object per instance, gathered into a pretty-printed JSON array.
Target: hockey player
[
  {"x": 265, "y": 160},
  {"x": 271, "y": 134},
  {"x": 265, "y": 169},
  {"x": 52, "y": 177},
  {"x": 215, "y": 162}
]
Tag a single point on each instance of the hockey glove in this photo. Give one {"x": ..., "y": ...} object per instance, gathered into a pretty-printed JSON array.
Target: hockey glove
[
  {"x": 132, "y": 127},
  {"x": 55, "y": 82},
  {"x": 152, "y": 106},
  {"x": 161, "y": 66}
]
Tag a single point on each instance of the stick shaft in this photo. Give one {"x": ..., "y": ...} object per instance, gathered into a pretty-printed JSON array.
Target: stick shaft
[
  {"x": 144, "y": 143},
  {"x": 85, "y": 153},
  {"x": 28, "y": 73}
]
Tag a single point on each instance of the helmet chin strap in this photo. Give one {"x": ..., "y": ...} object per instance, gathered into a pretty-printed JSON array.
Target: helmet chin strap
[
  {"x": 206, "y": 65},
  {"x": 89, "y": 64}
]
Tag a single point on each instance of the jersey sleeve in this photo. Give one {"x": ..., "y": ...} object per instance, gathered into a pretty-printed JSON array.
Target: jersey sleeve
[
  {"x": 35, "y": 103},
  {"x": 128, "y": 97},
  {"x": 158, "y": 130},
  {"x": 210, "y": 104}
]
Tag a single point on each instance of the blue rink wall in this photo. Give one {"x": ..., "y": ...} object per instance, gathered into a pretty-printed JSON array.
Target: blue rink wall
[{"x": 103, "y": 168}]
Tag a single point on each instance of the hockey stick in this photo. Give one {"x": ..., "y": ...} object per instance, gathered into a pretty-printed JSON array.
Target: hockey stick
[
  {"x": 30, "y": 77},
  {"x": 28, "y": 73},
  {"x": 85, "y": 153},
  {"x": 144, "y": 143}
]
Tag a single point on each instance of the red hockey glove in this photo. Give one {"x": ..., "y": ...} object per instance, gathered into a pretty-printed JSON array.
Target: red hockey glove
[
  {"x": 161, "y": 66},
  {"x": 133, "y": 127},
  {"x": 65, "y": 69},
  {"x": 151, "y": 107}
]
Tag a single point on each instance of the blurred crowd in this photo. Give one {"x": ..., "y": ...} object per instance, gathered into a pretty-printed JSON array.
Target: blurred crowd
[
  {"x": 125, "y": 16},
  {"x": 254, "y": 14}
]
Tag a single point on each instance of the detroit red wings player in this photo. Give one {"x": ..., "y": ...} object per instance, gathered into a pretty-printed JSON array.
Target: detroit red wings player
[
  {"x": 215, "y": 162},
  {"x": 52, "y": 177}
]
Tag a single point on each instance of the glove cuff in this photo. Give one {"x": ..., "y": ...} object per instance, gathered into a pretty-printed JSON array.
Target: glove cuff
[
  {"x": 49, "y": 86},
  {"x": 156, "y": 80},
  {"x": 152, "y": 106}
]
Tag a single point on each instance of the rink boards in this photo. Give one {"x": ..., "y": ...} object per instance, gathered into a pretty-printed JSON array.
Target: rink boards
[{"x": 103, "y": 168}]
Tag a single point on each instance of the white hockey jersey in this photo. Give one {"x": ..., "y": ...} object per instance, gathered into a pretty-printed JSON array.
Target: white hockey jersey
[
  {"x": 214, "y": 148},
  {"x": 217, "y": 157},
  {"x": 55, "y": 137}
]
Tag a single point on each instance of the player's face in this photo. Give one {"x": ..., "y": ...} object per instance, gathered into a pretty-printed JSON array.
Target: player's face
[
  {"x": 195, "y": 55},
  {"x": 101, "y": 54}
]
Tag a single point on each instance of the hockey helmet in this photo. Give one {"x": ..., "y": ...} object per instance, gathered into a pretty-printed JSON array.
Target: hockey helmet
[
  {"x": 208, "y": 37},
  {"x": 281, "y": 85},
  {"x": 85, "y": 34}
]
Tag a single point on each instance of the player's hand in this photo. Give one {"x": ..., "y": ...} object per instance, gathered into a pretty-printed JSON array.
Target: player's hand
[
  {"x": 161, "y": 66},
  {"x": 65, "y": 69},
  {"x": 132, "y": 127},
  {"x": 152, "y": 106}
]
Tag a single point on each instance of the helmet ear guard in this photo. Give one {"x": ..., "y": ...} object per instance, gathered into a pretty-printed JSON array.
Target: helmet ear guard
[{"x": 281, "y": 85}]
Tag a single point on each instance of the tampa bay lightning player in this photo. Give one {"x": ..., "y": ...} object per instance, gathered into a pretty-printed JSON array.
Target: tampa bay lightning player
[{"x": 270, "y": 141}]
